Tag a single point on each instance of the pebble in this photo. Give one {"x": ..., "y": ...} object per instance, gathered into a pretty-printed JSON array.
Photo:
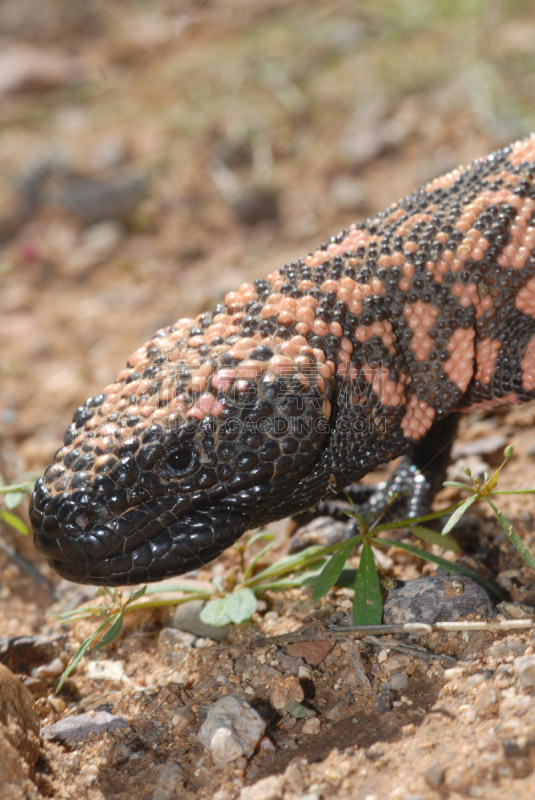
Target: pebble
[
  {"x": 285, "y": 689},
  {"x": 50, "y": 670},
  {"x": 231, "y": 729},
  {"x": 105, "y": 670},
  {"x": 19, "y": 736},
  {"x": 313, "y": 652},
  {"x": 183, "y": 719},
  {"x": 186, "y": 618},
  {"x": 173, "y": 645},
  {"x": 80, "y": 726},
  {"x": 95, "y": 201},
  {"x": 383, "y": 704},
  {"x": 435, "y": 598},
  {"x": 338, "y": 712},
  {"x": 299, "y": 711},
  {"x": 398, "y": 681},
  {"x": 312, "y": 727},
  {"x": 434, "y": 776},
  {"x": 266, "y": 789},
  {"x": 525, "y": 671}
]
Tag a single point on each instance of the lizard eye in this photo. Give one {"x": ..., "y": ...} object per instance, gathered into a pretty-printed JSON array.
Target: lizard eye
[{"x": 179, "y": 460}]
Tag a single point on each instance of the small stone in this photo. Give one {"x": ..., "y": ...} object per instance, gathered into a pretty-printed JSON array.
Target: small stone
[
  {"x": 313, "y": 652},
  {"x": 375, "y": 751},
  {"x": 96, "y": 201},
  {"x": 50, "y": 670},
  {"x": 305, "y": 673},
  {"x": 383, "y": 704},
  {"x": 173, "y": 645},
  {"x": 299, "y": 711},
  {"x": 458, "y": 778},
  {"x": 322, "y": 531},
  {"x": 187, "y": 618},
  {"x": 105, "y": 670},
  {"x": 266, "y": 789},
  {"x": 515, "y": 611},
  {"x": 183, "y": 719},
  {"x": 486, "y": 703},
  {"x": 312, "y": 727},
  {"x": 434, "y": 598},
  {"x": 231, "y": 729},
  {"x": 434, "y": 776},
  {"x": 283, "y": 690},
  {"x": 338, "y": 712},
  {"x": 525, "y": 671},
  {"x": 398, "y": 681},
  {"x": 80, "y": 726}
]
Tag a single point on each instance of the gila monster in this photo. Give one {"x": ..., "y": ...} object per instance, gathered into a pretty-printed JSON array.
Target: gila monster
[{"x": 298, "y": 385}]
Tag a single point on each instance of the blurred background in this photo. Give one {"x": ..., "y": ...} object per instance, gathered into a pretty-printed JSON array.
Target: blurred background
[{"x": 155, "y": 154}]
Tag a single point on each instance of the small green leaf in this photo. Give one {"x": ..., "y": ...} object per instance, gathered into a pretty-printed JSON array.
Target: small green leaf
[
  {"x": 254, "y": 561},
  {"x": 434, "y": 537},
  {"x": 13, "y": 499},
  {"x": 77, "y": 657},
  {"x": 367, "y": 601},
  {"x": 456, "y": 516},
  {"x": 15, "y": 522},
  {"x": 214, "y": 613},
  {"x": 513, "y": 536},
  {"x": 240, "y": 605},
  {"x": 259, "y": 536},
  {"x": 460, "y": 569},
  {"x": 112, "y": 633},
  {"x": 457, "y": 485},
  {"x": 332, "y": 569},
  {"x": 135, "y": 596}
]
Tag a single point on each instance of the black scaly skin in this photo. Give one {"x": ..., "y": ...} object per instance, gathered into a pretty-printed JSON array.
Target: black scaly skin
[{"x": 184, "y": 453}]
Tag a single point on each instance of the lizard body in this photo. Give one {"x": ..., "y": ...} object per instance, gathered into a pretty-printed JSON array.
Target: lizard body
[{"x": 300, "y": 384}]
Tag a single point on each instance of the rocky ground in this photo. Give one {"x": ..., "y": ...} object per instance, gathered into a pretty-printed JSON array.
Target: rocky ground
[{"x": 152, "y": 156}]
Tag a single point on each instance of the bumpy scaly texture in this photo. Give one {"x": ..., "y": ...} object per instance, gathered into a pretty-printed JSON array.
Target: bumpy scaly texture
[{"x": 300, "y": 384}]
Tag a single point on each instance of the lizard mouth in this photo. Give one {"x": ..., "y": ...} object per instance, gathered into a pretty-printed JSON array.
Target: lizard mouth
[{"x": 153, "y": 541}]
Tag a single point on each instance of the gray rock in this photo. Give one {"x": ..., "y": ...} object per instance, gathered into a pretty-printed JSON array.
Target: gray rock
[
  {"x": 433, "y": 599},
  {"x": 186, "y": 618},
  {"x": 525, "y": 671},
  {"x": 80, "y": 726},
  {"x": 398, "y": 680},
  {"x": 231, "y": 729},
  {"x": 96, "y": 201}
]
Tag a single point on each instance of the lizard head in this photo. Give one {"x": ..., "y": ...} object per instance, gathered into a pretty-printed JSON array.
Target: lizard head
[{"x": 201, "y": 437}]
